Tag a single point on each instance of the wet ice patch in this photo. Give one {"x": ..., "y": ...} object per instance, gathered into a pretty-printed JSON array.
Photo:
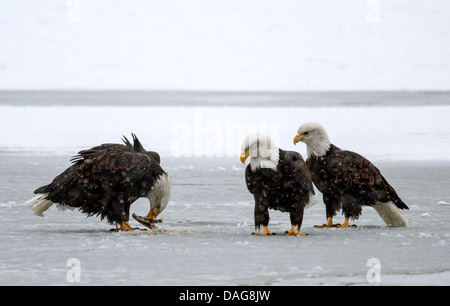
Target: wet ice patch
[
  {"x": 8, "y": 204},
  {"x": 442, "y": 243},
  {"x": 235, "y": 168},
  {"x": 183, "y": 167},
  {"x": 425, "y": 235},
  {"x": 442, "y": 203},
  {"x": 168, "y": 232},
  {"x": 242, "y": 242},
  {"x": 218, "y": 169}
]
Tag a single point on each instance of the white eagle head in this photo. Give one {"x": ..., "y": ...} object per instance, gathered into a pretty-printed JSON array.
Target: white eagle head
[
  {"x": 159, "y": 196},
  {"x": 262, "y": 151},
  {"x": 315, "y": 137}
]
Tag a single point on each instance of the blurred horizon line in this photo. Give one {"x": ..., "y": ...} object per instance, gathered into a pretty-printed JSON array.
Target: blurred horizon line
[{"x": 214, "y": 98}]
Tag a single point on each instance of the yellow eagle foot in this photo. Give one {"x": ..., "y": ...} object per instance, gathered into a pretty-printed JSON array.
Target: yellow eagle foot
[
  {"x": 265, "y": 232},
  {"x": 124, "y": 227},
  {"x": 330, "y": 224},
  {"x": 346, "y": 224},
  {"x": 327, "y": 225},
  {"x": 294, "y": 232}
]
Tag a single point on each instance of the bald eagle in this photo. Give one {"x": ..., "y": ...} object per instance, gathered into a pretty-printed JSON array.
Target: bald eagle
[
  {"x": 105, "y": 180},
  {"x": 278, "y": 180},
  {"x": 347, "y": 180}
]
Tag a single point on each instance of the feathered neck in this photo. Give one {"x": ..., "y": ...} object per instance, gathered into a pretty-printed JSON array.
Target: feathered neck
[
  {"x": 318, "y": 146},
  {"x": 270, "y": 160}
]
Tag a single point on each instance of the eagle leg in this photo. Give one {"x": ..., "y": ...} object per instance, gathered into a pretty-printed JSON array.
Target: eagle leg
[
  {"x": 294, "y": 232},
  {"x": 124, "y": 227},
  {"x": 265, "y": 232},
  {"x": 346, "y": 224}
]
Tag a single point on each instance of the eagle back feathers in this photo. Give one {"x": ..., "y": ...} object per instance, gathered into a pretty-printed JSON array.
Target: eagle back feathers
[{"x": 347, "y": 176}]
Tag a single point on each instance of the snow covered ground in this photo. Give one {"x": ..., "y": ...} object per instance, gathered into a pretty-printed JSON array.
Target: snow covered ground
[
  {"x": 225, "y": 45},
  {"x": 210, "y": 216}
]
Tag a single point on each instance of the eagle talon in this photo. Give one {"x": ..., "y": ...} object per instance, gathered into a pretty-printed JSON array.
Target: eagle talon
[
  {"x": 328, "y": 224},
  {"x": 294, "y": 232},
  {"x": 124, "y": 227},
  {"x": 265, "y": 232},
  {"x": 346, "y": 224},
  {"x": 288, "y": 233}
]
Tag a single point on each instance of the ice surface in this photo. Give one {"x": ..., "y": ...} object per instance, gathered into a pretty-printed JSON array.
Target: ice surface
[
  {"x": 209, "y": 219},
  {"x": 208, "y": 239}
]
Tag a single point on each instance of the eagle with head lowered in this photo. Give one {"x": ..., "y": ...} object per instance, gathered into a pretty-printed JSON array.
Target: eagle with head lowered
[
  {"x": 347, "y": 180},
  {"x": 278, "y": 180},
  {"x": 105, "y": 181}
]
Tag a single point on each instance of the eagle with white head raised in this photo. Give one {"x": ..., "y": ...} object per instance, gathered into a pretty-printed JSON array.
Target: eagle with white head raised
[
  {"x": 347, "y": 180},
  {"x": 278, "y": 180}
]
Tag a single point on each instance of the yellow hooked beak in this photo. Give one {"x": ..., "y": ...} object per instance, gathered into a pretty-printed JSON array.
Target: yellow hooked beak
[
  {"x": 152, "y": 214},
  {"x": 244, "y": 156},
  {"x": 298, "y": 138}
]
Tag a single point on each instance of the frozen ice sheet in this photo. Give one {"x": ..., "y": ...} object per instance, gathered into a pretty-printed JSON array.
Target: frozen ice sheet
[{"x": 208, "y": 239}]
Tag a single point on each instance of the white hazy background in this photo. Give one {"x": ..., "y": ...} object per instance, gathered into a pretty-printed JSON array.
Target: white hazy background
[{"x": 225, "y": 45}]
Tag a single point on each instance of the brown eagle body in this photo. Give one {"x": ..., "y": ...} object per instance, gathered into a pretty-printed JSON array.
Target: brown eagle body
[
  {"x": 286, "y": 189},
  {"x": 347, "y": 180},
  {"x": 278, "y": 180},
  {"x": 104, "y": 181}
]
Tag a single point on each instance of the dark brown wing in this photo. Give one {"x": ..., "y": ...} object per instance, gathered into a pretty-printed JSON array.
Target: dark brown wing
[
  {"x": 295, "y": 174},
  {"x": 352, "y": 173},
  {"x": 249, "y": 180},
  {"x": 348, "y": 168}
]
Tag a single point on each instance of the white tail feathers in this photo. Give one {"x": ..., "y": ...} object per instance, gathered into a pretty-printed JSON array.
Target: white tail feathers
[
  {"x": 390, "y": 214},
  {"x": 39, "y": 204},
  {"x": 312, "y": 200}
]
